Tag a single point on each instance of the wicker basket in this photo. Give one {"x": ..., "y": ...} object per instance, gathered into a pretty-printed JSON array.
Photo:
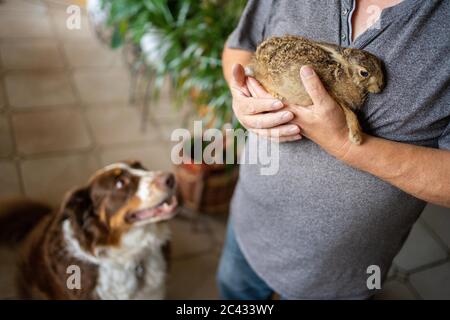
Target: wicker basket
[{"x": 206, "y": 188}]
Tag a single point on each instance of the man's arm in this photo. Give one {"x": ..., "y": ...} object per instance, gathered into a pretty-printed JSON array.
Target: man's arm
[
  {"x": 420, "y": 171},
  {"x": 232, "y": 56}
]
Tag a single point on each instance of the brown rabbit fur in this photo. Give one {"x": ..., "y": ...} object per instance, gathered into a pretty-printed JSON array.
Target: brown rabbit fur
[{"x": 348, "y": 74}]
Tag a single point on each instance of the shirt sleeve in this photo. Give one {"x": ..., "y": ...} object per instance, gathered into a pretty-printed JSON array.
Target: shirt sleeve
[
  {"x": 250, "y": 30},
  {"x": 444, "y": 139}
]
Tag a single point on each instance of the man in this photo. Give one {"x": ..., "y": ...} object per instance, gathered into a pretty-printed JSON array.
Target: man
[{"x": 335, "y": 208}]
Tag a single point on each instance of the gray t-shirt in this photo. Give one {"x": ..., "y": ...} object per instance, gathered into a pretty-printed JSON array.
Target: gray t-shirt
[{"x": 313, "y": 229}]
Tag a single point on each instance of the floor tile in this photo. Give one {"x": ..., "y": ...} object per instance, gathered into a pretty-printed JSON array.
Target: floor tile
[
  {"x": 89, "y": 54},
  {"x": 21, "y": 25},
  {"x": 419, "y": 249},
  {"x": 6, "y": 145},
  {"x": 166, "y": 130},
  {"x": 9, "y": 179},
  {"x": 218, "y": 226},
  {"x": 111, "y": 105},
  {"x": 163, "y": 109},
  {"x": 55, "y": 130},
  {"x": 118, "y": 125},
  {"x": 153, "y": 155},
  {"x": 102, "y": 85},
  {"x": 38, "y": 90},
  {"x": 50, "y": 178},
  {"x": 433, "y": 283},
  {"x": 60, "y": 17},
  {"x": 190, "y": 237},
  {"x": 395, "y": 290},
  {"x": 166, "y": 111},
  {"x": 167, "y": 126},
  {"x": 438, "y": 218},
  {"x": 392, "y": 272},
  {"x": 31, "y": 55},
  {"x": 193, "y": 278},
  {"x": 57, "y": 4},
  {"x": 34, "y": 7}
]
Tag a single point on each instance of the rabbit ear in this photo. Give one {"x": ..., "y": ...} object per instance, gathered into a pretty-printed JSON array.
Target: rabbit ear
[
  {"x": 346, "y": 52},
  {"x": 336, "y": 53},
  {"x": 352, "y": 56}
]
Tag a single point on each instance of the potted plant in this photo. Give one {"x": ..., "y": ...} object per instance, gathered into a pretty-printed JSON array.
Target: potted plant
[{"x": 184, "y": 40}]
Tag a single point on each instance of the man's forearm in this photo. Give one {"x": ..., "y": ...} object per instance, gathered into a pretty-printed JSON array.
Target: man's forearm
[{"x": 422, "y": 172}]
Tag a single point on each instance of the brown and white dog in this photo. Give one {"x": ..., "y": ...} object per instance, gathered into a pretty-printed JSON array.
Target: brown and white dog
[{"x": 112, "y": 230}]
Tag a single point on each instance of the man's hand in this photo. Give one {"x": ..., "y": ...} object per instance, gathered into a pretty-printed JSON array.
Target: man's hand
[
  {"x": 258, "y": 111},
  {"x": 324, "y": 121}
]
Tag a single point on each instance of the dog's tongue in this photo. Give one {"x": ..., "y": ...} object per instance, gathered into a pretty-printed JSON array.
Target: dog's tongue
[{"x": 148, "y": 213}]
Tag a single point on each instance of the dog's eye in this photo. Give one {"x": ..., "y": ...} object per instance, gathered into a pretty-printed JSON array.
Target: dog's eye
[
  {"x": 363, "y": 73},
  {"x": 121, "y": 182}
]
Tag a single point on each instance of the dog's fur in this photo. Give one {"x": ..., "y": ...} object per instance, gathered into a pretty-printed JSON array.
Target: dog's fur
[{"x": 111, "y": 230}]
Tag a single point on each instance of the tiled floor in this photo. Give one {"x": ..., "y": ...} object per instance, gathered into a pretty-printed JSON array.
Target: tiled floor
[{"x": 64, "y": 112}]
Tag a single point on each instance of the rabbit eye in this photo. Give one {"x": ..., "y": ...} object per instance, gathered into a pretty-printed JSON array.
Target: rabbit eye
[{"x": 363, "y": 73}]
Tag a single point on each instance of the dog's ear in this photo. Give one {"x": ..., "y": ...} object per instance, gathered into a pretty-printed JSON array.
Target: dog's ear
[
  {"x": 77, "y": 201},
  {"x": 80, "y": 210}
]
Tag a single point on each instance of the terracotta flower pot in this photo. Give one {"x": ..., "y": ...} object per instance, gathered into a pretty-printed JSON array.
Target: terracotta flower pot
[{"x": 206, "y": 188}]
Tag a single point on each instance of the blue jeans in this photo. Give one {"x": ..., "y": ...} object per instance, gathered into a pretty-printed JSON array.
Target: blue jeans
[{"x": 236, "y": 279}]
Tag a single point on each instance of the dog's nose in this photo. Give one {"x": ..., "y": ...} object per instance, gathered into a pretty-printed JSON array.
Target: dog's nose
[
  {"x": 170, "y": 181},
  {"x": 166, "y": 180}
]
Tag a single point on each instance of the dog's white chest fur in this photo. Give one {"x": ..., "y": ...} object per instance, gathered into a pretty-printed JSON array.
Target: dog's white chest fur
[{"x": 134, "y": 270}]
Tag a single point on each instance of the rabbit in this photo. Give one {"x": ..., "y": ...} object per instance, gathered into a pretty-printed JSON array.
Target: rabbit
[{"x": 348, "y": 74}]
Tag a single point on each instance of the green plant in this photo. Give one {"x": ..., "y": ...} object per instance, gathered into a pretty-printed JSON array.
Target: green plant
[{"x": 193, "y": 33}]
